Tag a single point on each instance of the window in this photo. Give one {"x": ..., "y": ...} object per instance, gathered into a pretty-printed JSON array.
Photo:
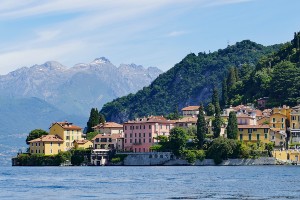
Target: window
[
  {"x": 130, "y": 140},
  {"x": 149, "y": 126},
  {"x": 144, "y": 126},
  {"x": 50, "y": 143},
  {"x": 254, "y": 129},
  {"x": 50, "y": 150},
  {"x": 250, "y": 130},
  {"x": 240, "y": 129},
  {"x": 134, "y": 134},
  {"x": 282, "y": 125},
  {"x": 140, "y": 126},
  {"x": 137, "y": 127},
  {"x": 59, "y": 144},
  {"x": 140, "y": 135},
  {"x": 36, "y": 151},
  {"x": 134, "y": 140},
  {"x": 281, "y": 137},
  {"x": 273, "y": 119},
  {"x": 144, "y": 134},
  {"x": 282, "y": 120},
  {"x": 250, "y": 137},
  {"x": 31, "y": 144},
  {"x": 131, "y": 135},
  {"x": 144, "y": 140},
  {"x": 257, "y": 137},
  {"x": 67, "y": 137},
  {"x": 241, "y": 137},
  {"x": 161, "y": 126},
  {"x": 149, "y": 140},
  {"x": 150, "y": 135},
  {"x": 140, "y": 141},
  {"x": 125, "y": 127},
  {"x": 293, "y": 117},
  {"x": 39, "y": 151},
  {"x": 266, "y": 136},
  {"x": 125, "y": 140},
  {"x": 273, "y": 125},
  {"x": 266, "y": 130},
  {"x": 273, "y": 137},
  {"x": 31, "y": 151},
  {"x": 35, "y": 144}
]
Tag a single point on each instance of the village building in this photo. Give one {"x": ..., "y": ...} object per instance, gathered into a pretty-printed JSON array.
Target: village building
[
  {"x": 108, "y": 141},
  {"x": 83, "y": 144},
  {"x": 46, "y": 144},
  {"x": 295, "y": 124},
  {"x": 109, "y": 128},
  {"x": 68, "y": 132},
  {"x": 141, "y": 133},
  {"x": 190, "y": 111}
]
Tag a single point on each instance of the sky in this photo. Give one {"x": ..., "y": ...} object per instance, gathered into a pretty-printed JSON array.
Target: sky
[{"x": 156, "y": 33}]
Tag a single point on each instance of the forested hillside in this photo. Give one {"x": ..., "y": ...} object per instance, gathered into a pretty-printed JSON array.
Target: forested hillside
[
  {"x": 187, "y": 83},
  {"x": 276, "y": 76}
]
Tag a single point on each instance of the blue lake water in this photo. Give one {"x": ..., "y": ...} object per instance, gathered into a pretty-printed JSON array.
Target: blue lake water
[{"x": 193, "y": 182}]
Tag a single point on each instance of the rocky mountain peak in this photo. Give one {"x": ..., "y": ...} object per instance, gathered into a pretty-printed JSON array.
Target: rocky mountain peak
[{"x": 101, "y": 60}]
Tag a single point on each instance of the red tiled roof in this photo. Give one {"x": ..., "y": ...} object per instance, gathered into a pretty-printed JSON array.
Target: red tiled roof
[
  {"x": 47, "y": 138},
  {"x": 108, "y": 125},
  {"x": 67, "y": 125},
  {"x": 187, "y": 119},
  {"x": 190, "y": 108},
  {"x": 242, "y": 115},
  {"x": 151, "y": 119}
]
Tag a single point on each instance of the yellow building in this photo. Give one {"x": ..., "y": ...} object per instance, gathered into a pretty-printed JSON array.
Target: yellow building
[
  {"x": 46, "y": 144},
  {"x": 279, "y": 116},
  {"x": 85, "y": 144},
  {"x": 291, "y": 155},
  {"x": 254, "y": 133},
  {"x": 295, "y": 124},
  {"x": 67, "y": 132}
]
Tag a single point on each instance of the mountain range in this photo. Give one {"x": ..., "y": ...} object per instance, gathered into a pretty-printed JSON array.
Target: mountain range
[{"x": 34, "y": 97}]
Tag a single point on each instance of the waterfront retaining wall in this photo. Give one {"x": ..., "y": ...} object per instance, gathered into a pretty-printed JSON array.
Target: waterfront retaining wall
[{"x": 167, "y": 159}]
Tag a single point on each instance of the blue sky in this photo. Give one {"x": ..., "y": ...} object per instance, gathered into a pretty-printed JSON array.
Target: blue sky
[{"x": 151, "y": 33}]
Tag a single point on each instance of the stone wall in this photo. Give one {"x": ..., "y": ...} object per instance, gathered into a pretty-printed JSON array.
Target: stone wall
[{"x": 167, "y": 159}]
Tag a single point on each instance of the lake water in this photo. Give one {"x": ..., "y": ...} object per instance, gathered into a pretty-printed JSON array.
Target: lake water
[{"x": 192, "y": 182}]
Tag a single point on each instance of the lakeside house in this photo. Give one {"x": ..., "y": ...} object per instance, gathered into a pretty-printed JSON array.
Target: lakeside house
[
  {"x": 141, "y": 133},
  {"x": 46, "y": 144},
  {"x": 190, "y": 111},
  {"x": 68, "y": 132},
  {"x": 109, "y": 128}
]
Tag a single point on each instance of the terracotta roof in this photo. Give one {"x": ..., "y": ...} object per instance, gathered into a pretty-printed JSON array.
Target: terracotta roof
[
  {"x": 47, "y": 138},
  {"x": 187, "y": 119},
  {"x": 81, "y": 141},
  {"x": 190, "y": 108},
  {"x": 108, "y": 125},
  {"x": 258, "y": 113},
  {"x": 113, "y": 136},
  {"x": 67, "y": 125},
  {"x": 151, "y": 119},
  {"x": 253, "y": 126}
]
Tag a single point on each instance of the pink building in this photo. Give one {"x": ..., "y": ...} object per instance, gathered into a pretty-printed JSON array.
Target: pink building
[{"x": 140, "y": 134}]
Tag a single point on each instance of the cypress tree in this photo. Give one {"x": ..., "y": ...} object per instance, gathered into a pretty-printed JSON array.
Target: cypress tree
[
  {"x": 224, "y": 93},
  {"x": 101, "y": 118},
  {"x": 201, "y": 127},
  {"x": 93, "y": 119},
  {"x": 231, "y": 77},
  {"x": 232, "y": 127},
  {"x": 217, "y": 121}
]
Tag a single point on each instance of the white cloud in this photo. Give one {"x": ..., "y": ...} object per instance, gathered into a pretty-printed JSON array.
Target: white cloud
[{"x": 176, "y": 33}]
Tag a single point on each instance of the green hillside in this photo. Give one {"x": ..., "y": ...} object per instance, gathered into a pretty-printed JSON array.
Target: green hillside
[
  {"x": 276, "y": 76},
  {"x": 187, "y": 83}
]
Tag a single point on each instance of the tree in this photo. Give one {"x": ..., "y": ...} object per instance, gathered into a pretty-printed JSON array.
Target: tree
[
  {"x": 232, "y": 127},
  {"x": 91, "y": 135},
  {"x": 93, "y": 120},
  {"x": 224, "y": 93},
  {"x": 36, "y": 133},
  {"x": 101, "y": 118},
  {"x": 210, "y": 109},
  {"x": 177, "y": 141},
  {"x": 231, "y": 77},
  {"x": 201, "y": 127},
  {"x": 217, "y": 120}
]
